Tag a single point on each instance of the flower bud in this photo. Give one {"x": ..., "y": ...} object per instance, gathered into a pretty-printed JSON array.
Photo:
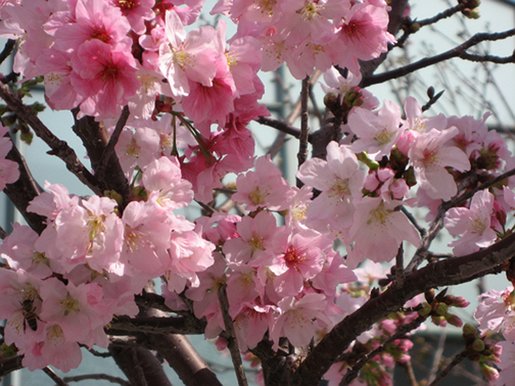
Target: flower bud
[
  {"x": 478, "y": 345},
  {"x": 454, "y": 320},
  {"x": 469, "y": 331},
  {"x": 441, "y": 309}
]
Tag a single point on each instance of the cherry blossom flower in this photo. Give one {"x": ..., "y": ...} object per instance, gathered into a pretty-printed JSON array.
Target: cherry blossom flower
[
  {"x": 378, "y": 230},
  {"x": 430, "y": 154},
  {"x": 185, "y": 57},
  {"x": 472, "y": 225}
]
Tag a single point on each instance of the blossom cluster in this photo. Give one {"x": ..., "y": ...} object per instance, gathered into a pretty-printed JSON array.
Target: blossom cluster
[
  {"x": 292, "y": 261},
  {"x": 63, "y": 286}
]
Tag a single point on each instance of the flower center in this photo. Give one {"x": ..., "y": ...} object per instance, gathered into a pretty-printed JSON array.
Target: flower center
[
  {"x": 127, "y": 4},
  {"x": 70, "y": 305}
]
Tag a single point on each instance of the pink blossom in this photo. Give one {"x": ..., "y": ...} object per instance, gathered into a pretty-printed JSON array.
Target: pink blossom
[
  {"x": 136, "y": 12},
  {"x": 185, "y": 57},
  {"x": 378, "y": 230},
  {"x": 78, "y": 310},
  {"x": 251, "y": 324},
  {"x": 94, "y": 20},
  {"x": 189, "y": 254},
  {"x": 263, "y": 188},
  {"x": 340, "y": 180},
  {"x": 105, "y": 79},
  {"x": 377, "y": 133},
  {"x": 299, "y": 319},
  {"x": 430, "y": 154},
  {"x": 496, "y": 313},
  {"x": 162, "y": 178},
  {"x": 210, "y": 104},
  {"x": 302, "y": 259},
  {"x": 507, "y": 363},
  {"x": 362, "y": 36},
  {"x": 472, "y": 225},
  {"x": 255, "y": 241}
]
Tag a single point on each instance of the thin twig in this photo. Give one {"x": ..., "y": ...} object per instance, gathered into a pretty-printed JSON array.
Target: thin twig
[
  {"x": 438, "y": 356},
  {"x": 3, "y": 233},
  {"x": 51, "y": 373},
  {"x": 58, "y": 147},
  {"x": 97, "y": 377},
  {"x": 232, "y": 342},
  {"x": 437, "y": 224},
  {"x": 109, "y": 149},
  {"x": 279, "y": 125},
  {"x": 455, "y": 361},
  {"x": 304, "y": 130},
  {"x": 408, "y": 366},
  {"x": 8, "y": 49},
  {"x": 428, "y": 21},
  {"x": 401, "y": 332},
  {"x": 456, "y": 52}
]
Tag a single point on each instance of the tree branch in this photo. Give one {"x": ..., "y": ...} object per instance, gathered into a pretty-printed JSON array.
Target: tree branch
[
  {"x": 54, "y": 377},
  {"x": 123, "y": 325},
  {"x": 456, "y": 52},
  {"x": 279, "y": 125},
  {"x": 97, "y": 377},
  {"x": 139, "y": 365},
  {"x": 452, "y": 271},
  {"x": 183, "y": 358},
  {"x": 458, "y": 358},
  {"x": 232, "y": 342},
  {"x": 24, "y": 190},
  {"x": 304, "y": 129},
  {"x": 58, "y": 147},
  {"x": 109, "y": 152}
]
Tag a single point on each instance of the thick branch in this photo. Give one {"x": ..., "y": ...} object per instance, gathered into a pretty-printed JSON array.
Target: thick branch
[
  {"x": 23, "y": 191},
  {"x": 232, "y": 342},
  {"x": 443, "y": 273},
  {"x": 109, "y": 153},
  {"x": 139, "y": 365},
  {"x": 456, "y": 52},
  {"x": 104, "y": 161},
  {"x": 58, "y": 147},
  {"x": 124, "y": 325},
  {"x": 183, "y": 358}
]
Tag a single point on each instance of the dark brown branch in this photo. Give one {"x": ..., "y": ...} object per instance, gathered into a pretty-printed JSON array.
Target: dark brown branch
[
  {"x": 24, "y": 190},
  {"x": 415, "y": 25},
  {"x": 139, "y": 365},
  {"x": 400, "y": 333},
  {"x": 94, "y": 139},
  {"x": 452, "y": 271},
  {"x": 8, "y": 49},
  {"x": 488, "y": 58},
  {"x": 9, "y": 365},
  {"x": 455, "y": 52},
  {"x": 109, "y": 152},
  {"x": 279, "y": 125},
  {"x": 53, "y": 376},
  {"x": 304, "y": 129},
  {"x": 58, "y": 147},
  {"x": 124, "y": 325},
  {"x": 232, "y": 342},
  {"x": 183, "y": 358},
  {"x": 458, "y": 358},
  {"x": 97, "y": 377}
]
